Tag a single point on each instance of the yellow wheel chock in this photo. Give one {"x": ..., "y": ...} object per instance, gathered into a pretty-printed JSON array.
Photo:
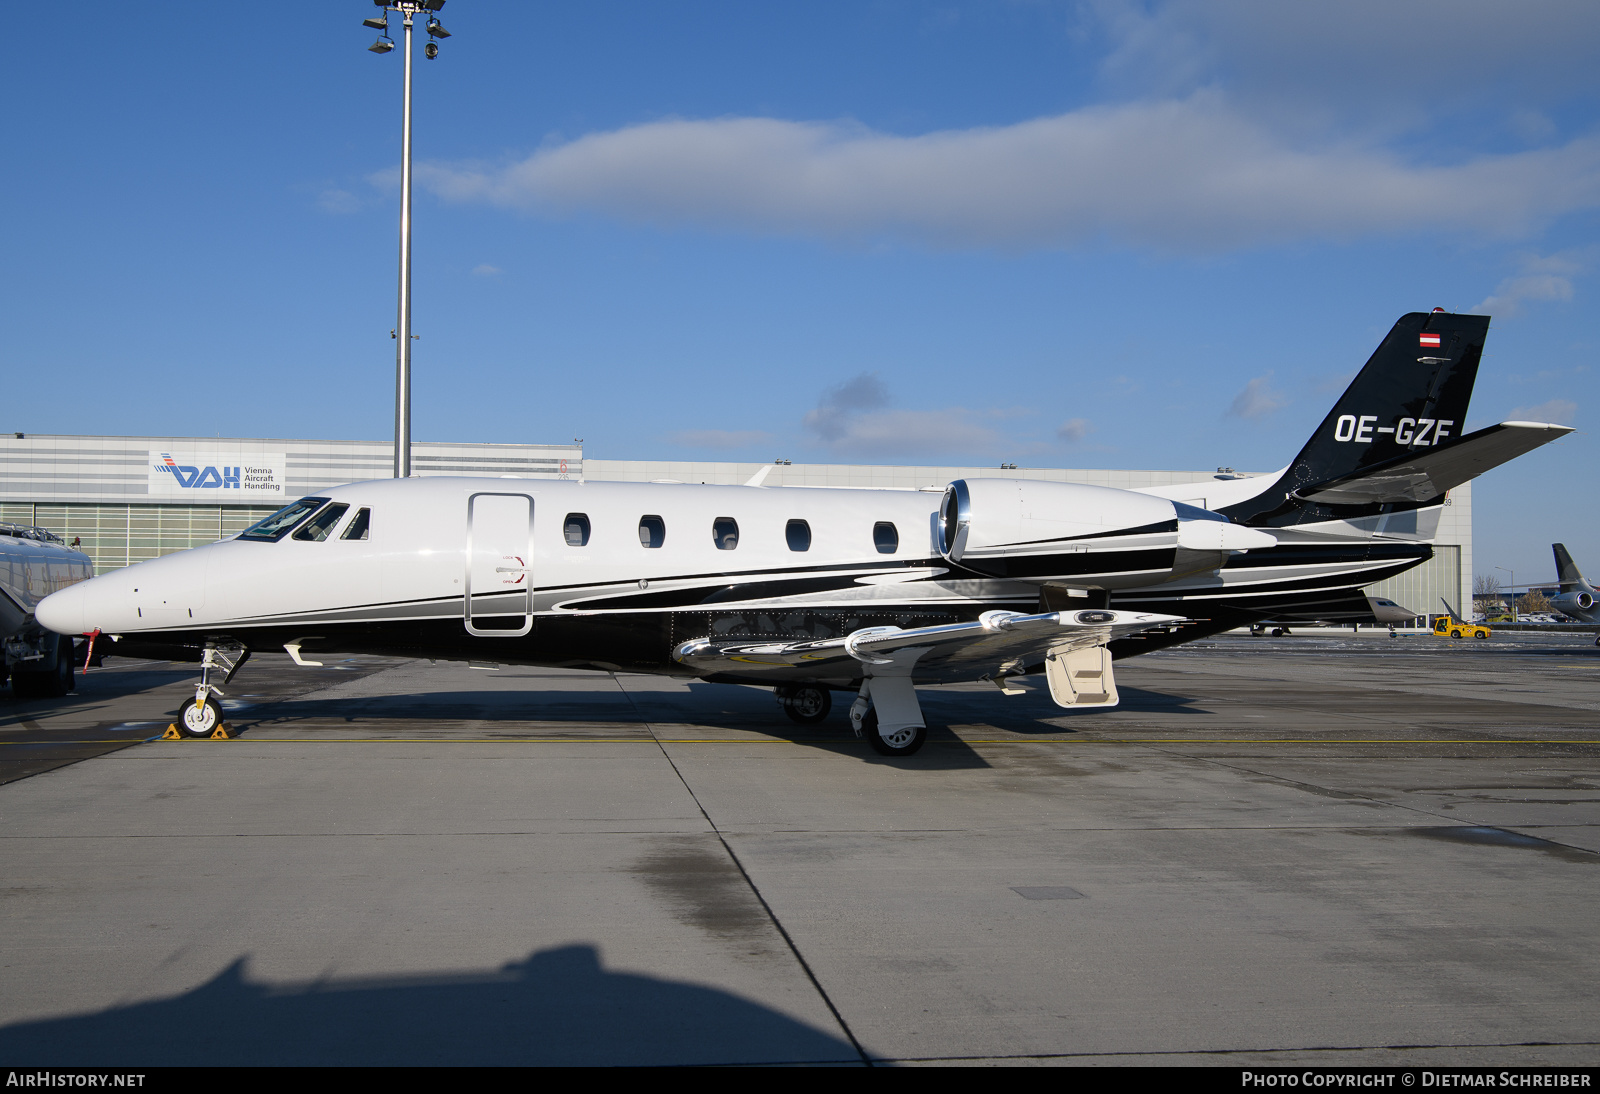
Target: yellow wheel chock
[{"x": 219, "y": 734}]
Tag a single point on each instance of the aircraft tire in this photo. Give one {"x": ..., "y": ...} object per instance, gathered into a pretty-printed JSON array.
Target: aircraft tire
[
  {"x": 807, "y": 704},
  {"x": 193, "y": 723},
  {"x": 905, "y": 743}
]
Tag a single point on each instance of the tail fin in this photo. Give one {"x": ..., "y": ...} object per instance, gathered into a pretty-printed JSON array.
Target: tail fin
[
  {"x": 1412, "y": 394},
  {"x": 1454, "y": 615},
  {"x": 1567, "y": 570}
]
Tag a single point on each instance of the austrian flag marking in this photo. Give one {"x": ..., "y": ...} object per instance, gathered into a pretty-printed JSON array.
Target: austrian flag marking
[{"x": 1428, "y": 341}]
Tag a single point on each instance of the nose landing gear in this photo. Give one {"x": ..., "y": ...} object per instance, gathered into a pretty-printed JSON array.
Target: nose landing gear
[{"x": 201, "y": 717}]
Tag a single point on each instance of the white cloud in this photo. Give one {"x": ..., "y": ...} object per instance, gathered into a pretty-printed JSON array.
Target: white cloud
[
  {"x": 335, "y": 200},
  {"x": 1376, "y": 59},
  {"x": 1192, "y": 173},
  {"x": 1559, "y": 411},
  {"x": 719, "y": 438},
  {"x": 1074, "y": 430},
  {"x": 1257, "y": 400},
  {"x": 1541, "y": 279},
  {"x": 486, "y": 270},
  {"x": 853, "y": 418}
]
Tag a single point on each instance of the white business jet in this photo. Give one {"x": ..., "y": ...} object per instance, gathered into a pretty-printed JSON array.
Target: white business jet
[{"x": 809, "y": 591}]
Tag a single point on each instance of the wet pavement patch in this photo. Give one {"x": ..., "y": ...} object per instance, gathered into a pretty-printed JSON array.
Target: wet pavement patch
[{"x": 705, "y": 889}]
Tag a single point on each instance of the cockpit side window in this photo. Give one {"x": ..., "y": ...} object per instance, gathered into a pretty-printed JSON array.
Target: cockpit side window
[
  {"x": 885, "y": 537},
  {"x": 652, "y": 531},
  {"x": 277, "y": 526},
  {"x": 576, "y": 529},
  {"x": 359, "y": 525},
  {"x": 317, "y": 528}
]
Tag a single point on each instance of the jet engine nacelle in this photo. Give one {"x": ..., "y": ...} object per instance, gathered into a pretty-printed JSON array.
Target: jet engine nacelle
[
  {"x": 1029, "y": 530},
  {"x": 1569, "y": 603}
]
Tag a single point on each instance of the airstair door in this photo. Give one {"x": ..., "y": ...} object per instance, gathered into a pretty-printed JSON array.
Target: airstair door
[{"x": 498, "y": 602}]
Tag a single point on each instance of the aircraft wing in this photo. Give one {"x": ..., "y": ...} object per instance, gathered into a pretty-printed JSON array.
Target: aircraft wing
[
  {"x": 996, "y": 645},
  {"x": 1425, "y": 474}
]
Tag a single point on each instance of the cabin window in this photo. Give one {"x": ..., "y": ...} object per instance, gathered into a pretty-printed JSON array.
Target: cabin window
[
  {"x": 725, "y": 533},
  {"x": 885, "y": 538},
  {"x": 576, "y": 529},
  {"x": 317, "y": 528},
  {"x": 358, "y": 525},
  {"x": 798, "y": 533},
  {"x": 652, "y": 531},
  {"x": 277, "y": 526}
]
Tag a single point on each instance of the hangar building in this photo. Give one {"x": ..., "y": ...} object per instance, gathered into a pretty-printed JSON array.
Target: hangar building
[{"x": 126, "y": 499}]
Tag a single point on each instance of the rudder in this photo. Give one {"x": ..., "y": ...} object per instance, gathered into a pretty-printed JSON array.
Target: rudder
[
  {"x": 1567, "y": 570},
  {"x": 1411, "y": 394}
]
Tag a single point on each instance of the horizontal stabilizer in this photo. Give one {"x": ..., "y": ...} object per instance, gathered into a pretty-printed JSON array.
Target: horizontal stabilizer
[{"x": 1424, "y": 475}]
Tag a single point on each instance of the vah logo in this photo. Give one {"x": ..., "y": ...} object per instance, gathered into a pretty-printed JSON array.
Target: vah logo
[{"x": 199, "y": 478}]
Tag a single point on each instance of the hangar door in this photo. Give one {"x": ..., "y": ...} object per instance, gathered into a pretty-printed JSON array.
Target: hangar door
[{"x": 499, "y": 582}]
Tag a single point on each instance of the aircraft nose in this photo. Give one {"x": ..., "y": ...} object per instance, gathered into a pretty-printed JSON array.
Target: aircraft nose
[{"x": 62, "y": 612}]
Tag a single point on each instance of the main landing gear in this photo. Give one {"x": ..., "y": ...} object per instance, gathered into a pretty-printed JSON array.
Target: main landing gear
[
  {"x": 806, "y": 704},
  {"x": 888, "y": 715},
  {"x": 200, "y": 716},
  {"x": 886, "y": 712}
]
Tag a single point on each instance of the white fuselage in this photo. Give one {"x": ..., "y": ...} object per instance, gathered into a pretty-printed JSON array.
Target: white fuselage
[{"x": 723, "y": 557}]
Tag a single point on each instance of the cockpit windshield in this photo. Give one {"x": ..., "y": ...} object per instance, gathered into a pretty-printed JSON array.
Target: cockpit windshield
[
  {"x": 317, "y": 528},
  {"x": 280, "y": 523}
]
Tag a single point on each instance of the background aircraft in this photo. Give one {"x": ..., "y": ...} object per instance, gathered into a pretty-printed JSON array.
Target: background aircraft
[{"x": 1577, "y": 597}]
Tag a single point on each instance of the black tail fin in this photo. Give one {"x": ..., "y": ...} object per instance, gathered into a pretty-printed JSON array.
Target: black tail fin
[
  {"x": 1412, "y": 394},
  {"x": 1567, "y": 570}
]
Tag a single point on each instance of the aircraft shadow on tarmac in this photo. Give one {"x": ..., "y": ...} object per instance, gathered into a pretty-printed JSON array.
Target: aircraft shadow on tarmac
[
  {"x": 560, "y": 1006},
  {"x": 95, "y": 687},
  {"x": 502, "y": 714}
]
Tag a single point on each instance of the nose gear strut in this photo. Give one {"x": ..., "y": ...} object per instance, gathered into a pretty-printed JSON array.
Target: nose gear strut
[{"x": 200, "y": 716}]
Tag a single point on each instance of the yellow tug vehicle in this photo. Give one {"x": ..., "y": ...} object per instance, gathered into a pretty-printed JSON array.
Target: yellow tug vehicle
[
  {"x": 1453, "y": 626},
  {"x": 1445, "y": 627}
]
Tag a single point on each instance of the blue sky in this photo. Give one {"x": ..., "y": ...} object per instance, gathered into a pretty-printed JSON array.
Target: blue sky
[{"x": 1094, "y": 234}]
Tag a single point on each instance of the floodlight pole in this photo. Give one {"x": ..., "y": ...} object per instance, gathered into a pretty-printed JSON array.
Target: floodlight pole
[
  {"x": 402, "y": 330},
  {"x": 1513, "y": 587},
  {"x": 408, "y": 10}
]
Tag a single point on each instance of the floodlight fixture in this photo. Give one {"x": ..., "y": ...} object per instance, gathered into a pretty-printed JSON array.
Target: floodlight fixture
[
  {"x": 432, "y": 5},
  {"x": 382, "y": 45},
  {"x": 436, "y": 28},
  {"x": 376, "y": 23}
]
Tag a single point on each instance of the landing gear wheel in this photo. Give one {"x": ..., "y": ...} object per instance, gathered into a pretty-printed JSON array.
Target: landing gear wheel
[
  {"x": 1278, "y": 632},
  {"x": 902, "y": 742},
  {"x": 807, "y": 704},
  {"x": 194, "y": 722}
]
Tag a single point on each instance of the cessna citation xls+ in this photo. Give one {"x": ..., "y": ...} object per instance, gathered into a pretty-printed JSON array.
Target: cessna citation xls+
[{"x": 812, "y": 590}]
